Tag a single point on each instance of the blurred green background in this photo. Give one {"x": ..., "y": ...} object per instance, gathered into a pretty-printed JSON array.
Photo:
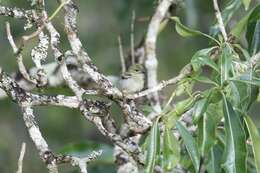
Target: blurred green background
[{"x": 100, "y": 22}]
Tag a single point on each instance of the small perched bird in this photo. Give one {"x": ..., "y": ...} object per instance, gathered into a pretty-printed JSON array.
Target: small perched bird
[{"x": 132, "y": 80}]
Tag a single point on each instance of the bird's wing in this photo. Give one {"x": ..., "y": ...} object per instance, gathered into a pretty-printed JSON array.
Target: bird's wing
[{"x": 126, "y": 75}]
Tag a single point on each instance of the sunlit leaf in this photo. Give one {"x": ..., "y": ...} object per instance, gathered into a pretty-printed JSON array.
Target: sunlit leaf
[
  {"x": 235, "y": 150},
  {"x": 190, "y": 145},
  {"x": 209, "y": 128},
  {"x": 255, "y": 139},
  {"x": 246, "y": 3},
  {"x": 153, "y": 148}
]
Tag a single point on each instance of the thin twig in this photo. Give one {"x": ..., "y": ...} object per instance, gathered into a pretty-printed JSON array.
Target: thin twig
[
  {"x": 121, "y": 54},
  {"x": 27, "y": 38},
  {"x": 158, "y": 87},
  {"x": 20, "y": 160},
  {"x": 19, "y": 57},
  {"x": 220, "y": 20},
  {"x": 132, "y": 37}
]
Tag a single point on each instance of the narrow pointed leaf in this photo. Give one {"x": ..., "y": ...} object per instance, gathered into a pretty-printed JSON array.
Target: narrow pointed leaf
[
  {"x": 235, "y": 150},
  {"x": 244, "y": 90},
  {"x": 227, "y": 14},
  {"x": 253, "y": 30},
  {"x": 204, "y": 79},
  {"x": 209, "y": 128},
  {"x": 153, "y": 148},
  {"x": 255, "y": 138},
  {"x": 171, "y": 150},
  {"x": 184, "y": 31},
  {"x": 199, "y": 108},
  {"x": 246, "y": 3},
  {"x": 213, "y": 165},
  {"x": 201, "y": 58},
  {"x": 242, "y": 24},
  {"x": 190, "y": 145},
  {"x": 255, "y": 44},
  {"x": 225, "y": 62}
]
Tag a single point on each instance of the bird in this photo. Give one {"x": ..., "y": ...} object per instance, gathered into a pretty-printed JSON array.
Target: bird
[{"x": 132, "y": 80}]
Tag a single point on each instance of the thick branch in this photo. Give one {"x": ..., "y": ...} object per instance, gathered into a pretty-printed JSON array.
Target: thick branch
[
  {"x": 16, "y": 12},
  {"x": 151, "y": 61}
]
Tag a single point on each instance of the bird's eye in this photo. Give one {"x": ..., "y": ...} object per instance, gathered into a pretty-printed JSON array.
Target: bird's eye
[{"x": 136, "y": 70}]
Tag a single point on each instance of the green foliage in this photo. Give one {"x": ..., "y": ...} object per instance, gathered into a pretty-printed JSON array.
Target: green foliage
[
  {"x": 225, "y": 139},
  {"x": 235, "y": 143},
  {"x": 170, "y": 150},
  {"x": 187, "y": 32},
  {"x": 246, "y": 3},
  {"x": 255, "y": 139},
  {"x": 153, "y": 148},
  {"x": 242, "y": 24},
  {"x": 190, "y": 145},
  {"x": 201, "y": 58}
]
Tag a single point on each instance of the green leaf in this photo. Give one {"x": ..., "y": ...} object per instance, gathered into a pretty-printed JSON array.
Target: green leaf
[
  {"x": 244, "y": 90},
  {"x": 184, "y": 31},
  {"x": 246, "y": 3},
  {"x": 184, "y": 86},
  {"x": 227, "y": 14},
  {"x": 215, "y": 96},
  {"x": 242, "y": 24},
  {"x": 255, "y": 44},
  {"x": 214, "y": 162},
  {"x": 199, "y": 108},
  {"x": 209, "y": 135},
  {"x": 243, "y": 51},
  {"x": 204, "y": 79},
  {"x": 153, "y": 148},
  {"x": 255, "y": 138},
  {"x": 183, "y": 106},
  {"x": 235, "y": 150},
  {"x": 201, "y": 58},
  {"x": 253, "y": 81},
  {"x": 253, "y": 30},
  {"x": 190, "y": 144},
  {"x": 207, "y": 128},
  {"x": 225, "y": 62},
  {"x": 171, "y": 150}
]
